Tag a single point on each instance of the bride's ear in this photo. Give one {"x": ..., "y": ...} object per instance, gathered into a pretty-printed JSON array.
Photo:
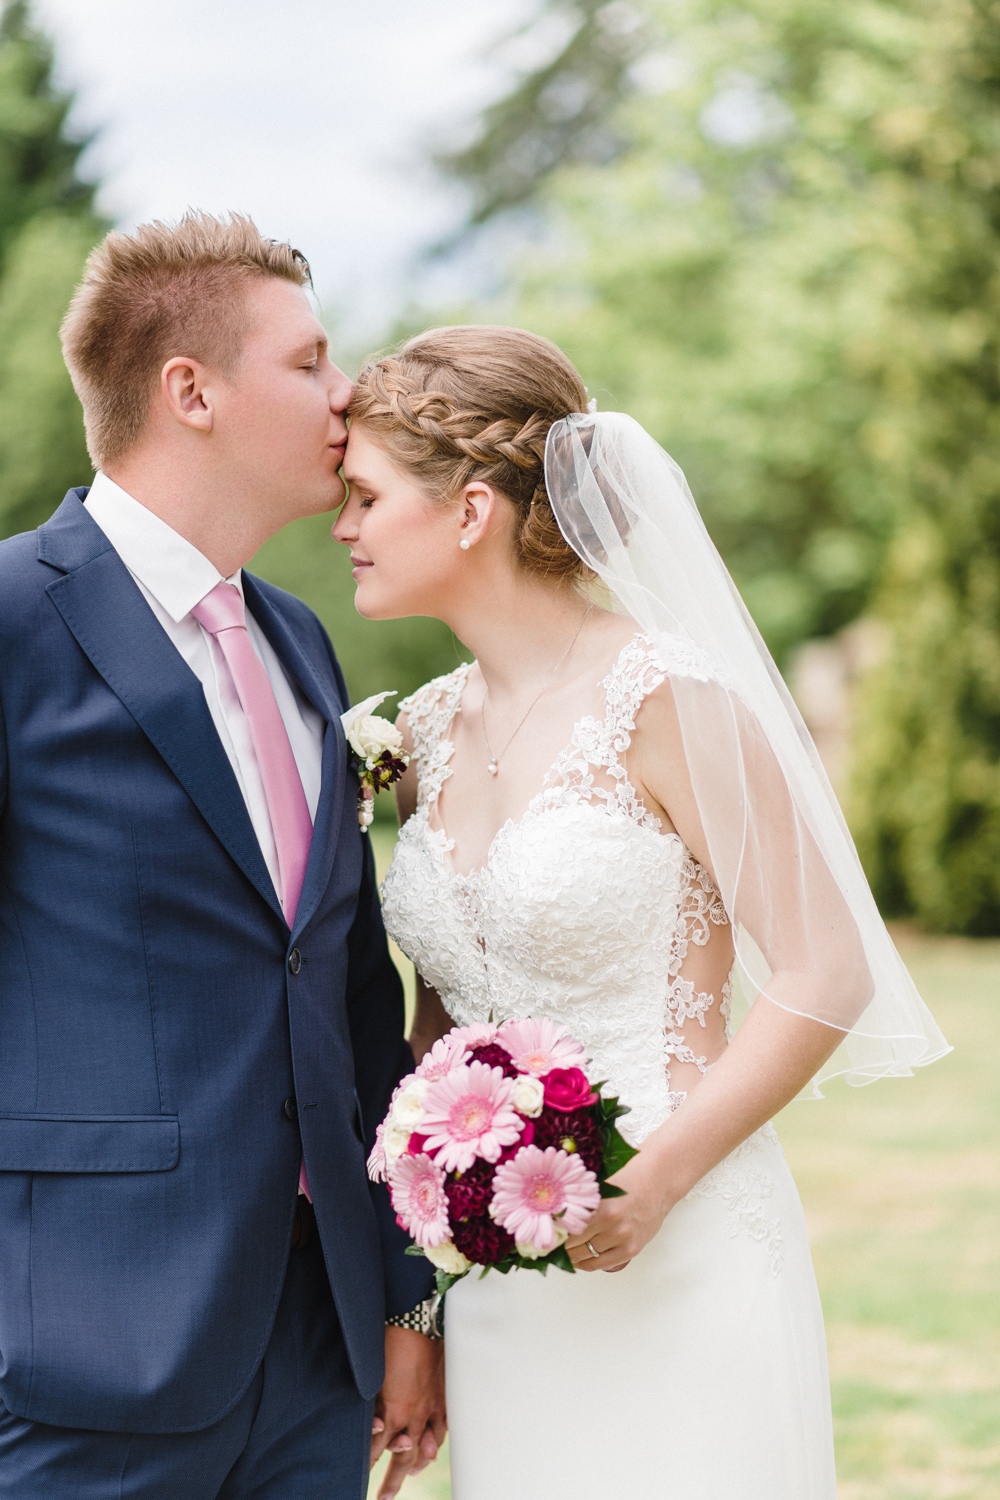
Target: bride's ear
[{"x": 477, "y": 507}]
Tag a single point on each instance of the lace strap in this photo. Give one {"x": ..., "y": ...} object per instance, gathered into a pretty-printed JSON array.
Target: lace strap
[
  {"x": 637, "y": 673},
  {"x": 429, "y": 712}
]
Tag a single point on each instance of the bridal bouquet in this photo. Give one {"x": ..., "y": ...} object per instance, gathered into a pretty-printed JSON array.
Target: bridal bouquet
[{"x": 498, "y": 1148}]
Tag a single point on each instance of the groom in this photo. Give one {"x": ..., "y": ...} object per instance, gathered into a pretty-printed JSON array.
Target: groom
[{"x": 200, "y": 1024}]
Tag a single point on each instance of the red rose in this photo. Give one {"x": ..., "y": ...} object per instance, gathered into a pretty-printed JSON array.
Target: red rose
[{"x": 567, "y": 1089}]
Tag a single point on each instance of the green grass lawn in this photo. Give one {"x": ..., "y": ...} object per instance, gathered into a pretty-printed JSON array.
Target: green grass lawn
[{"x": 900, "y": 1185}]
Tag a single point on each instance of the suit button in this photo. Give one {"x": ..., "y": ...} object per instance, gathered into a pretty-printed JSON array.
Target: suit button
[
  {"x": 291, "y": 1108},
  {"x": 295, "y": 960}
]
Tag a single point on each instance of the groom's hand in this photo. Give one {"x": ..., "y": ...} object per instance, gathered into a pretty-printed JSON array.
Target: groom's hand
[{"x": 410, "y": 1418}]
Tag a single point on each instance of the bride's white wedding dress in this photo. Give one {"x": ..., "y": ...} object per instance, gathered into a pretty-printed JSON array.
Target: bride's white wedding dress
[{"x": 699, "y": 1372}]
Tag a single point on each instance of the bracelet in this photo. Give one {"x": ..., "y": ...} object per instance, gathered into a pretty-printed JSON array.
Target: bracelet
[{"x": 427, "y": 1318}]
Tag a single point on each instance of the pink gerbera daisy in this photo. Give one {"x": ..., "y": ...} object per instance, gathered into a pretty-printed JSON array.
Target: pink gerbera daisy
[
  {"x": 418, "y": 1196},
  {"x": 447, "y": 1053},
  {"x": 538, "y": 1187},
  {"x": 469, "y": 1113},
  {"x": 376, "y": 1161},
  {"x": 479, "y": 1034},
  {"x": 538, "y": 1045}
]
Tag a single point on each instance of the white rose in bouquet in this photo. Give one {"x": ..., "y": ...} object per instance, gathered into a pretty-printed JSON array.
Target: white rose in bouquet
[
  {"x": 395, "y": 1141},
  {"x": 407, "y": 1107},
  {"x": 532, "y": 1252},
  {"x": 529, "y": 1096},
  {"x": 447, "y": 1257}
]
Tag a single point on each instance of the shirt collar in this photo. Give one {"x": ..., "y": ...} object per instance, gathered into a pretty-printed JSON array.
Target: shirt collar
[{"x": 173, "y": 570}]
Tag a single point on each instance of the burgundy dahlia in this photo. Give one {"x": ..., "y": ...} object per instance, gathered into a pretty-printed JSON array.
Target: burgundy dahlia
[
  {"x": 469, "y": 1193},
  {"x": 573, "y": 1132},
  {"x": 494, "y": 1056},
  {"x": 482, "y": 1241}
]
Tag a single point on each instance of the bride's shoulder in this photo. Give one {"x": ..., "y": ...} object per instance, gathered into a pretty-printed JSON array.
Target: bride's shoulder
[
  {"x": 434, "y": 694},
  {"x": 425, "y": 715}
]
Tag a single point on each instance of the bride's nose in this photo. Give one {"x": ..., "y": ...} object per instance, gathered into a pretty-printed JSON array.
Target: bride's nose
[{"x": 345, "y": 527}]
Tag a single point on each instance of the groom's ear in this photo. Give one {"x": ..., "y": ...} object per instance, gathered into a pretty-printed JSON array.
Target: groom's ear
[{"x": 186, "y": 389}]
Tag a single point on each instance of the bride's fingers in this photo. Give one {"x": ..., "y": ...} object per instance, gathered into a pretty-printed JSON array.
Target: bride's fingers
[
  {"x": 393, "y": 1478},
  {"x": 581, "y": 1247},
  {"x": 429, "y": 1445},
  {"x": 584, "y": 1259}
]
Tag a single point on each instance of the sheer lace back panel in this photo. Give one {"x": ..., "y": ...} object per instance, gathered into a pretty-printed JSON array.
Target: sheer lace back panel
[{"x": 586, "y": 911}]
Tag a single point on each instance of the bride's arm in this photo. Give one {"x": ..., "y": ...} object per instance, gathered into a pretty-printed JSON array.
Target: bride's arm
[
  {"x": 773, "y": 1054},
  {"x": 430, "y": 1019}
]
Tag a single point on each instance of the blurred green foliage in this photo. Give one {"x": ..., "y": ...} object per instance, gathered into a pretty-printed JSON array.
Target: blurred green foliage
[
  {"x": 47, "y": 227},
  {"x": 789, "y": 273}
]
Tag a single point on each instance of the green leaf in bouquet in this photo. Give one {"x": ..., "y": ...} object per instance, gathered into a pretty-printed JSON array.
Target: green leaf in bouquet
[
  {"x": 508, "y": 1263},
  {"x": 608, "y": 1110},
  {"x": 617, "y": 1152},
  {"x": 446, "y": 1280},
  {"x": 608, "y": 1190},
  {"x": 560, "y": 1257},
  {"x": 414, "y": 1250}
]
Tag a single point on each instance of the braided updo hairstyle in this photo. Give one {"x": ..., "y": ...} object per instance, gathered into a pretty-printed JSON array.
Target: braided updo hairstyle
[{"x": 476, "y": 403}]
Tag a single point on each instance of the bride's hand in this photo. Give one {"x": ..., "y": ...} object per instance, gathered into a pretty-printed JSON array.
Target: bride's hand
[{"x": 622, "y": 1226}]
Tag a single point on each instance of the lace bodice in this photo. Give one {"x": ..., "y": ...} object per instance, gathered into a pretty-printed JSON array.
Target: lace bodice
[{"x": 585, "y": 911}]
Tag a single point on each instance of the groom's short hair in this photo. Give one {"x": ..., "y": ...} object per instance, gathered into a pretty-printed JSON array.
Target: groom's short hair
[{"x": 164, "y": 290}]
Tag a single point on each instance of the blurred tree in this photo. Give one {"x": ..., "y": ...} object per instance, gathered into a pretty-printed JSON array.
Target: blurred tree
[
  {"x": 927, "y": 784},
  {"x": 561, "y": 112},
  {"x": 788, "y": 273},
  {"x": 47, "y": 227},
  {"x": 38, "y": 160},
  {"x": 722, "y": 277}
]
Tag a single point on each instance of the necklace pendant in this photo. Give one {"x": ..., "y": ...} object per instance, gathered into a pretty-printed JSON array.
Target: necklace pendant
[{"x": 493, "y": 768}]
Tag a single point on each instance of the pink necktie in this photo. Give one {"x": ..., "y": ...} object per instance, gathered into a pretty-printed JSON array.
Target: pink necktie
[{"x": 223, "y": 615}]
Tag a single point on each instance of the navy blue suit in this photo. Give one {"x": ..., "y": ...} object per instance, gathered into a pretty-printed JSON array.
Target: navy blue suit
[{"x": 152, "y": 1027}]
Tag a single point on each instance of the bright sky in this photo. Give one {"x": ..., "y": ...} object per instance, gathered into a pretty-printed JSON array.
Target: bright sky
[{"x": 312, "y": 115}]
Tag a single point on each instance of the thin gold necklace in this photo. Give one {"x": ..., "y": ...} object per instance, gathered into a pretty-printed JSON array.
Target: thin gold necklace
[{"x": 494, "y": 765}]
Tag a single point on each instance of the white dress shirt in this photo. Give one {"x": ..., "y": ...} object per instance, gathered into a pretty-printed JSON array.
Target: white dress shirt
[{"x": 173, "y": 577}]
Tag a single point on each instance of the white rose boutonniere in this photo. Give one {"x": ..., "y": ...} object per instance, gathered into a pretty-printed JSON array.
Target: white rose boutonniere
[{"x": 379, "y": 758}]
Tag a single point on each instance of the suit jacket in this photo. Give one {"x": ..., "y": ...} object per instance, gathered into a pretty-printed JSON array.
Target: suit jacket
[{"x": 168, "y": 1048}]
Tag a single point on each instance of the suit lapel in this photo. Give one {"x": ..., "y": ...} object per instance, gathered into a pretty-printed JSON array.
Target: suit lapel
[
  {"x": 320, "y": 690},
  {"x": 120, "y": 635}
]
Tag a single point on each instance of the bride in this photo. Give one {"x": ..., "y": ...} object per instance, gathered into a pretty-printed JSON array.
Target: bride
[{"x": 609, "y": 818}]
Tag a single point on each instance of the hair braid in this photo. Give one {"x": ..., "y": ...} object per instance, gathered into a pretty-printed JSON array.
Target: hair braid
[{"x": 458, "y": 404}]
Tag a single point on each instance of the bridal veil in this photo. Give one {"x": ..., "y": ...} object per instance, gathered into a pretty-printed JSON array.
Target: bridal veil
[{"x": 777, "y": 841}]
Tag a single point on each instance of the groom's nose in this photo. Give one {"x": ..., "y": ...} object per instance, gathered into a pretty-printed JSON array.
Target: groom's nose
[{"x": 341, "y": 389}]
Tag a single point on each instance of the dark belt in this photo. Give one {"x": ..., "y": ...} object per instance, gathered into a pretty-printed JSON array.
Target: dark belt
[{"x": 304, "y": 1226}]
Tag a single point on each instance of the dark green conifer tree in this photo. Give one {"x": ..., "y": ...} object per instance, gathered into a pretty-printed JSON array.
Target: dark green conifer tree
[{"x": 47, "y": 226}]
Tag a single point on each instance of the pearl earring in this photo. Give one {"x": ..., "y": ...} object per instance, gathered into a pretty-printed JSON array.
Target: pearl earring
[{"x": 465, "y": 544}]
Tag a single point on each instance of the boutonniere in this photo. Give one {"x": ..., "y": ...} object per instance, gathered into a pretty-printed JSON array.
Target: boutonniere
[{"x": 379, "y": 758}]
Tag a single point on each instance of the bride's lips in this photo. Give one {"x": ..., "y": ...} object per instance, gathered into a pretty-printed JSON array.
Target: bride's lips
[{"x": 358, "y": 566}]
